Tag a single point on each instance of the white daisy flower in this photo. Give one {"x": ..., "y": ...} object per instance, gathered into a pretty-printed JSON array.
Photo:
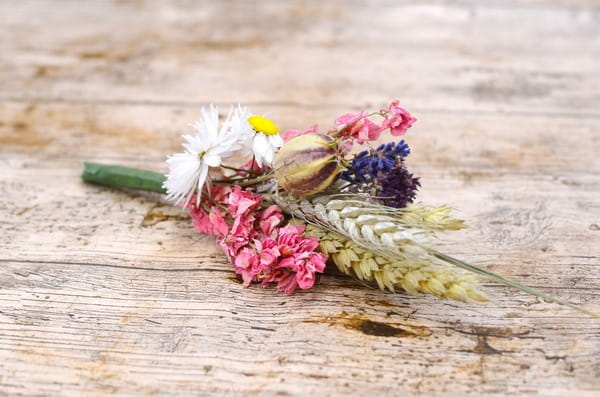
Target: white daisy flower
[
  {"x": 266, "y": 140},
  {"x": 262, "y": 134},
  {"x": 188, "y": 171},
  {"x": 239, "y": 124}
]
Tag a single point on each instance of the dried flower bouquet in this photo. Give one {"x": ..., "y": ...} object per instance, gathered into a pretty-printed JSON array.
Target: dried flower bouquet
[{"x": 283, "y": 207}]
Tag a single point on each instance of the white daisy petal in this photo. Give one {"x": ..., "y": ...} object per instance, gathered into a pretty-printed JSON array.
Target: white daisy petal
[
  {"x": 182, "y": 178},
  {"x": 265, "y": 147},
  {"x": 261, "y": 148},
  {"x": 268, "y": 157},
  {"x": 212, "y": 159},
  {"x": 201, "y": 179},
  {"x": 242, "y": 130},
  {"x": 212, "y": 143},
  {"x": 276, "y": 141}
]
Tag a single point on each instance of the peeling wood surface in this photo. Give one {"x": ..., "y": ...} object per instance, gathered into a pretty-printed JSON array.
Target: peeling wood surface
[{"x": 109, "y": 292}]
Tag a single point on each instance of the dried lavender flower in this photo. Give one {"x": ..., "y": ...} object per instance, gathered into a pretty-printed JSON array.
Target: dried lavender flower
[{"x": 397, "y": 188}]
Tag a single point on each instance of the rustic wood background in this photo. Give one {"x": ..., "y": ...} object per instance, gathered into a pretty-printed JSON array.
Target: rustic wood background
[{"x": 112, "y": 292}]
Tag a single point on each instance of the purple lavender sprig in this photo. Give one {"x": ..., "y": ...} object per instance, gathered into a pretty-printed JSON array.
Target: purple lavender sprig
[
  {"x": 397, "y": 188},
  {"x": 381, "y": 173},
  {"x": 367, "y": 165}
]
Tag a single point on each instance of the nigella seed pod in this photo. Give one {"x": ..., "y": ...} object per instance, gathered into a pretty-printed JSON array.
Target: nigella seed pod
[{"x": 307, "y": 164}]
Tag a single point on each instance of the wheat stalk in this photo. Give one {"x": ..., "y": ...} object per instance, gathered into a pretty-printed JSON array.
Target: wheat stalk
[
  {"x": 399, "y": 235},
  {"x": 412, "y": 277}
]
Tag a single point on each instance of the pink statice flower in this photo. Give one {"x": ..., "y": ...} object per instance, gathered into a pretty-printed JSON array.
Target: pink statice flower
[
  {"x": 242, "y": 205},
  {"x": 299, "y": 262},
  {"x": 305, "y": 264},
  {"x": 268, "y": 253},
  {"x": 227, "y": 214},
  {"x": 219, "y": 194},
  {"x": 299, "y": 255},
  {"x": 260, "y": 248},
  {"x": 256, "y": 261},
  {"x": 241, "y": 233},
  {"x": 207, "y": 217},
  {"x": 398, "y": 120},
  {"x": 270, "y": 219},
  {"x": 247, "y": 264},
  {"x": 200, "y": 220},
  {"x": 285, "y": 280},
  {"x": 358, "y": 127},
  {"x": 242, "y": 202},
  {"x": 289, "y": 134},
  {"x": 290, "y": 238},
  {"x": 217, "y": 217}
]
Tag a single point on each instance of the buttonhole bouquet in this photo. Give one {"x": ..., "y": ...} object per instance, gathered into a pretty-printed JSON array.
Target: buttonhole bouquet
[{"x": 283, "y": 207}]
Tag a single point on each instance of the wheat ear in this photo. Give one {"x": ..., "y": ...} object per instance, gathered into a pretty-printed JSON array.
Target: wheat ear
[
  {"x": 373, "y": 227},
  {"x": 412, "y": 277},
  {"x": 391, "y": 235}
]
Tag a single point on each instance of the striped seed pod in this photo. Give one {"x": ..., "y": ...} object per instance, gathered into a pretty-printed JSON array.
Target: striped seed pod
[{"x": 307, "y": 164}]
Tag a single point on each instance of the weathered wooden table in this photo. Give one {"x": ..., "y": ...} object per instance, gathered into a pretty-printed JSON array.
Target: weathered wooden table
[{"x": 111, "y": 292}]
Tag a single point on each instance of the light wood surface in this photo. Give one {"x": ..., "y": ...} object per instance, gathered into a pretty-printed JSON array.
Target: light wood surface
[{"x": 109, "y": 292}]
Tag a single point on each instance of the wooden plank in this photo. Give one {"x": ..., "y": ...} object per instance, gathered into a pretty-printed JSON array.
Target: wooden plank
[
  {"x": 111, "y": 292},
  {"x": 469, "y": 56},
  {"x": 72, "y": 243}
]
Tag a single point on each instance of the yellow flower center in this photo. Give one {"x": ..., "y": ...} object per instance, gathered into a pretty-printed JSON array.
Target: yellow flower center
[{"x": 263, "y": 124}]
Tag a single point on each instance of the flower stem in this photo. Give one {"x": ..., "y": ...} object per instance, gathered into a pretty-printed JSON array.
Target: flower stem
[
  {"x": 249, "y": 172},
  {"x": 138, "y": 179},
  {"x": 125, "y": 177},
  {"x": 511, "y": 283},
  {"x": 254, "y": 181}
]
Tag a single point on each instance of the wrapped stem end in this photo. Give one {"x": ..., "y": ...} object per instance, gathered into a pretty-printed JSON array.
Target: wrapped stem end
[{"x": 123, "y": 177}]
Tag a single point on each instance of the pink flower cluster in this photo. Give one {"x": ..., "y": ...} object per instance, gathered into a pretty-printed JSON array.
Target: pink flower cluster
[
  {"x": 359, "y": 128},
  {"x": 258, "y": 244},
  {"x": 397, "y": 119}
]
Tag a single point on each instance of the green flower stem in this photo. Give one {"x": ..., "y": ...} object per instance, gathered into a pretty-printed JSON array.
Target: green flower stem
[
  {"x": 126, "y": 177},
  {"x": 511, "y": 283}
]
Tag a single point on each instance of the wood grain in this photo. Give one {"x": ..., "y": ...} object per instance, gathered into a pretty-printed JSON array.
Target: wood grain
[{"x": 112, "y": 292}]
